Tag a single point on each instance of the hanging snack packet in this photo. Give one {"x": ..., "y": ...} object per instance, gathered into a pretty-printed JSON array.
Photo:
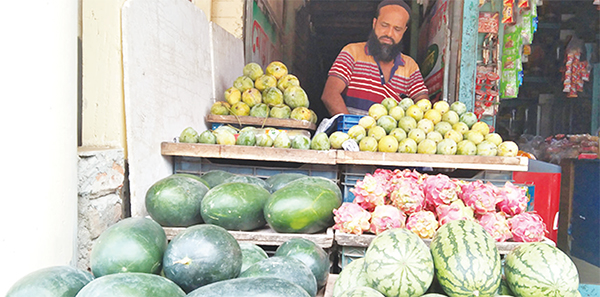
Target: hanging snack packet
[
  {"x": 524, "y": 4},
  {"x": 525, "y": 22},
  {"x": 508, "y": 12}
]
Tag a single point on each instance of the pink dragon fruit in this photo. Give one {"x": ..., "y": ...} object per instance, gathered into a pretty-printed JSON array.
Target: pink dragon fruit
[
  {"x": 408, "y": 196},
  {"x": 351, "y": 218},
  {"x": 423, "y": 223},
  {"x": 513, "y": 199},
  {"x": 496, "y": 224},
  {"x": 386, "y": 217},
  {"x": 371, "y": 191},
  {"x": 527, "y": 227},
  {"x": 398, "y": 175},
  {"x": 457, "y": 210},
  {"x": 479, "y": 196},
  {"x": 440, "y": 189}
]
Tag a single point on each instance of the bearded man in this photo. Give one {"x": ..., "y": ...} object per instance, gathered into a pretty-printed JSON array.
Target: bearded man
[{"x": 365, "y": 73}]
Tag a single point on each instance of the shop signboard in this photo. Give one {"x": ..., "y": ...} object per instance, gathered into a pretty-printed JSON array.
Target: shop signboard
[
  {"x": 263, "y": 32},
  {"x": 433, "y": 38}
]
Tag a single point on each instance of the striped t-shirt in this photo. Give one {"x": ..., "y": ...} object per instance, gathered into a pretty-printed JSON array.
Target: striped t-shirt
[{"x": 365, "y": 84}]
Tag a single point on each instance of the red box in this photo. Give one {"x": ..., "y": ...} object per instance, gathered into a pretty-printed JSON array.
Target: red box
[{"x": 546, "y": 179}]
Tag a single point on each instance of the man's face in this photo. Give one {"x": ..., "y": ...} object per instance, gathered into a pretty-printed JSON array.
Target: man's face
[{"x": 388, "y": 30}]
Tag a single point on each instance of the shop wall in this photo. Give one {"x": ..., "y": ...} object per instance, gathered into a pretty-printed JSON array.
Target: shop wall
[{"x": 38, "y": 216}]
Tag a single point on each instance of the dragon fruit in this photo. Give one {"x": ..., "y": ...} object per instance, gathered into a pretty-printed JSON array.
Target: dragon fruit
[
  {"x": 440, "y": 189},
  {"x": 527, "y": 227},
  {"x": 496, "y": 224},
  {"x": 457, "y": 210},
  {"x": 513, "y": 199},
  {"x": 423, "y": 223},
  {"x": 408, "y": 196},
  {"x": 351, "y": 218},
  {"x": 371, "y": 191},
  {"x": 479, "y": 196},
  {"x": 386, "y": 217},
  {"x": 399, "y": 175}
]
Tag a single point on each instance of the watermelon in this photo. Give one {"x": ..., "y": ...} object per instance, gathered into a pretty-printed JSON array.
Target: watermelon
[
  {"x": 467, "y": 262},
  {"x": 310, "y": 254},
  {"x": 235, "y": 206},
  {"x": 301, "y": 208},
  {"x": 287, "y": 268},
  {"x": 251, "y": 253},
  {"x": 264, "y": 286},
  {"x": 196, "y": 177},
  {"x": 353, "y": 275},
  {"x": 249, "y": 180},
  {"x": 55, "y": 281},
  {"x": 361, "y": 292},
  {"x": 309, "y": 181},
  {"x": 216, "y": 177},
  {"x": 130, "y": 245},
  {"x": 279, "y": 180},
  {"x": 433, "y": 295},
  {"x": 175, "y": 201},
  {"x": 539, "y": 269},
  {"x": 398, "y": 263},
  {"x": 132, "y": 284},
  {"x": 200, "y": 255}
]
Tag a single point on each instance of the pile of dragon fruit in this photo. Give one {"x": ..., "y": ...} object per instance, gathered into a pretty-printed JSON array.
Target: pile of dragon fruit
[{"x": 422, "y": 203}]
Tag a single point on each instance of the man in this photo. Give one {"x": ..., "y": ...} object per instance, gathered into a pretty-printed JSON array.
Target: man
[{"x": 368, "y": 72}]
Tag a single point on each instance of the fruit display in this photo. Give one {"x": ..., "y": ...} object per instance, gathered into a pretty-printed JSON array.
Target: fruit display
[
  {"x": 424, "y": 203},
  {"x": 420, "y": 127},
  {"x": 272, "y": 92},
  {"x": 287, "y": 268},
  {"x": 52, "y": 281},
  {"x": 560, "y": 146}
]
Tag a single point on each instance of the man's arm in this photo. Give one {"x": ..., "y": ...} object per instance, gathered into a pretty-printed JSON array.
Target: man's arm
[
  {"x": 421, "y": 96},
  {"x": 332, "y": 96}
]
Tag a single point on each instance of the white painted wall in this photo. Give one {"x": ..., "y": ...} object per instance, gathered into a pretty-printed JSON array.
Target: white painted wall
[{"x": 38, "y": 116}]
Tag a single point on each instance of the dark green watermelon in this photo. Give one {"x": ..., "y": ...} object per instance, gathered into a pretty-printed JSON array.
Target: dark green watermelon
[
  {"x": 321, "y": 181},
  {"x": 279, "y": 180},
  {"x": 251, "y": 253},
  {"x": 287, "y": 268},
  {"x": 235, "y": 206},
  {"x": 216, "y": 177},
  {"x": 130, "y": 245},
  {"x": 131, "y": 285},
  {"x": 175, "y": 201},
  {"x": 249, "y": 180},
  {"x": 196, "y": 177},
  {"x": 200, "y": 255},
  {"x": 311, "y": 254},
  {"x": 264, "y": 286},
  {"x": 56, "y": 281},
  {"x": 301, "y": 208}
]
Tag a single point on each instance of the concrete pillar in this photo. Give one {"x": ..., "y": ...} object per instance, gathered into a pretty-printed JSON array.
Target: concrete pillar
[{"x": 38, "y": 120}]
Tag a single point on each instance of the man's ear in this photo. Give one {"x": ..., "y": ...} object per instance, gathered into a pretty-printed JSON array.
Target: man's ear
[{"x": 374, "y": 21}]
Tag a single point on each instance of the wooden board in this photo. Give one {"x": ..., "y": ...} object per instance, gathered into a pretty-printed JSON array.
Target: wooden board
[
  {"x": 434, "y": 161},
  {"x": 344, "y": 239},
  {"x": 256, "y": 153},
  {"x": 327, "y": 291},
  {"x": 261, "y": 122},
  {"x": 268, "y": 236}
]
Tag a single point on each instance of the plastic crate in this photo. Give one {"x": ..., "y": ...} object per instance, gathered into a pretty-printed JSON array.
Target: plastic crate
[
  {"x": 346, "y": 121},
  {"x": 199, "y": 166},
  {"x": 347, "y": 254}
]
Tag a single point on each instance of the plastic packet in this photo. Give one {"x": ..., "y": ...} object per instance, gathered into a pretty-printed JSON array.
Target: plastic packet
[{"x": 508, "y": 11}]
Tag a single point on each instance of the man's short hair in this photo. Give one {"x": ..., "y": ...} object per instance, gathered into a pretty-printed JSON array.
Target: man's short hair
[{"x": 394, "y": 2}]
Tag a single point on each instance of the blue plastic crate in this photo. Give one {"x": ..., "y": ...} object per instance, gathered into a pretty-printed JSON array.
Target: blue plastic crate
[
  {"x": 347, "y": 254},
  {"x": 589, "y": 290},
  {"x": 346, "y": 121}
]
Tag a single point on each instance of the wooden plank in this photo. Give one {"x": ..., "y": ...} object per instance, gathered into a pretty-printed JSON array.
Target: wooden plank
[
  {"x": 363, "y": 240},
  {"x": 435, "y": 161},
  {"x": 240, "y": 152},
  {"x": 327, "y": 291},
  {"x": 261, "y": 122},
  {"x": 268, "y": 236}
]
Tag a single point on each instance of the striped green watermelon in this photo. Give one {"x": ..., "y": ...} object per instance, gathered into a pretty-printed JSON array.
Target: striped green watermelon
[
  {"x": 398, "y": 263},
  {"x": 539, "y": 269},
  {"x": 467, "y": 262},
  {"x": 353, "y": 275},
  {"x": 361, "y": 292}
]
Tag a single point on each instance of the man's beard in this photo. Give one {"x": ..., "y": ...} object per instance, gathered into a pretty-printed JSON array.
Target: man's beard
[{"x": 382, "y": 52}]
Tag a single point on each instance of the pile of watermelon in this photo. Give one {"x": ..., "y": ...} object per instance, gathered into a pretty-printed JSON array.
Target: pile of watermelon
[
  {"x": 422, "y": 203},
  {"x": 462, "y": 261},
  {"x": 287, "y": 202},
  {"x": 132, "y": 258}
]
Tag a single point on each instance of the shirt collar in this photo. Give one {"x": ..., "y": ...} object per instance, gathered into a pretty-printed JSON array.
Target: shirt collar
[{"x": 398, "y": 61}]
